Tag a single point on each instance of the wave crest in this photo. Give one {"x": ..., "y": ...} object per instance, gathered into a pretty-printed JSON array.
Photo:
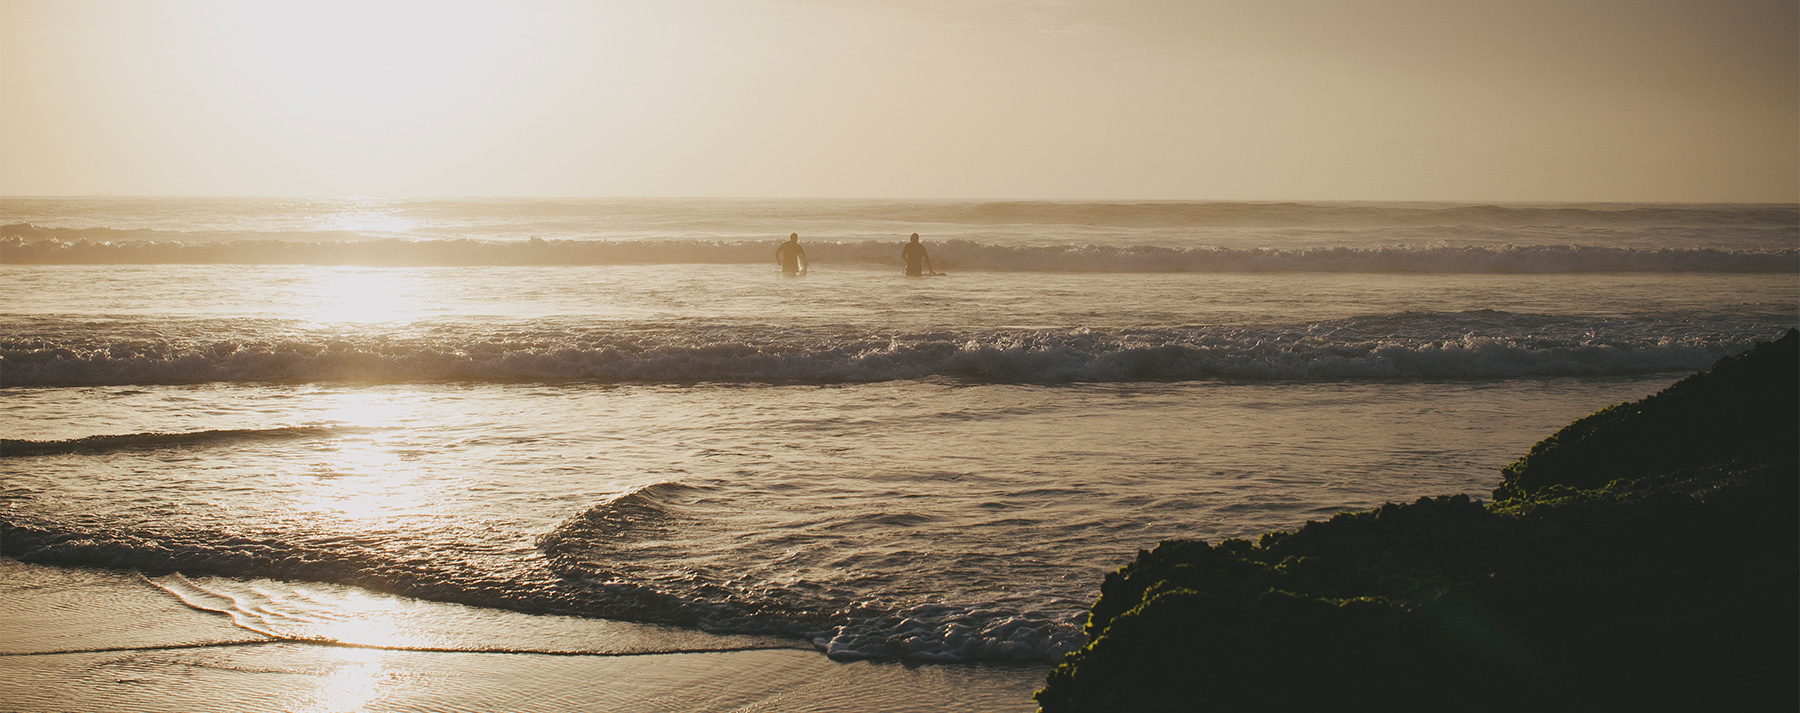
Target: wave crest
[
  {"x": 613, "y": 550},
  {"x": 1436, "y": 347},
  {"x": 608, "y": 523}
]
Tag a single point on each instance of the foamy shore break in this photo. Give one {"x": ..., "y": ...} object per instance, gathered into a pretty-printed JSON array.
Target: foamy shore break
[{"x": 1643, "y": 558}]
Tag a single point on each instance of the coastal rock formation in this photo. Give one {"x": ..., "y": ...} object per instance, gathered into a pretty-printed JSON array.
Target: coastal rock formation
[{"x": 1646, "y": 557}]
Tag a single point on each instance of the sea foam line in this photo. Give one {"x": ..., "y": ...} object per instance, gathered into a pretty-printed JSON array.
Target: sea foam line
[
  {"x": 1053, "y": 356},
  {"x": 836, "y": 627}
]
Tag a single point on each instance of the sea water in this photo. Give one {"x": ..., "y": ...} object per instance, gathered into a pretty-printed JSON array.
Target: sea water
[{"x": 622, "y": 410}]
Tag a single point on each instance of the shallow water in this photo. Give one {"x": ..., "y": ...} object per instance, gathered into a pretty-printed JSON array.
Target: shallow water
[{"x": 929, "y": 520}]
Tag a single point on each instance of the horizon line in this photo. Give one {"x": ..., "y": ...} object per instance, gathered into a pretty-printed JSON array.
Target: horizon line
[{"x": 1262, "y": 201}]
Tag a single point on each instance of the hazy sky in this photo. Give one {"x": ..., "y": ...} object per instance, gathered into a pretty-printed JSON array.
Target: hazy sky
[{"x": 1510, "y": 100}]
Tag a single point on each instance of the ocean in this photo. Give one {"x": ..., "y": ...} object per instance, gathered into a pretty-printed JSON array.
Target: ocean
[{"x": 508, "y": 421}]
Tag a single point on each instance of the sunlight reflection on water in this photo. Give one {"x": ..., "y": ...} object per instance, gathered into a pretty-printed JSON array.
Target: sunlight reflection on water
[
  {"x": 369, "y": 477},
  {"x": 370, "y": 221},
  {"x": 366, "y": 295},
  {"x": 358, "y": 680}
]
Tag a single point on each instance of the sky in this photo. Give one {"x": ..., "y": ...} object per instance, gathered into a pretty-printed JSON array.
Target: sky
[{"x": 1393, "y": 100}]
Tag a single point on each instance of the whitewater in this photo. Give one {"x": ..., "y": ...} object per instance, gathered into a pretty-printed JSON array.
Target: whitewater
[{"x": 590, "y": 410}]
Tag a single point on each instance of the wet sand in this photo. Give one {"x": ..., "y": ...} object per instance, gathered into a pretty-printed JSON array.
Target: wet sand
[{"x": 128, "y": 646}]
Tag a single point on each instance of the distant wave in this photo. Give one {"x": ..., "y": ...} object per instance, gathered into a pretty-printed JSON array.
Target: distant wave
[
  {"x": 1419, "y": 346},
  {"x": 1393, "y": 259},
  {"x": 15, "y": 448},
  {"x": 1149, "y": 213},
  {"x": 1290, "y": 214},
  {"x": 950, "y": 254},
  {"x": 703, "y": 213},
  {"x": 20, "y": 232}
]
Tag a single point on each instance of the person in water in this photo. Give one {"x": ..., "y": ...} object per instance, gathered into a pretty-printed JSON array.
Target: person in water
[
  {"x": 791, "y": 256},
  {"x": 917, "y": 262}
]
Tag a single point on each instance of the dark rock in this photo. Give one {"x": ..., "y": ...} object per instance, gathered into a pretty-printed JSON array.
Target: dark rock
[
  {"x": 1646, "y": 557},
  {"x": 1741, "y": 410}
]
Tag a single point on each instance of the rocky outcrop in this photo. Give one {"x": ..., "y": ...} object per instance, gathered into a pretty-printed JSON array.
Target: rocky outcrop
[{"x": 1646, "y": 557}]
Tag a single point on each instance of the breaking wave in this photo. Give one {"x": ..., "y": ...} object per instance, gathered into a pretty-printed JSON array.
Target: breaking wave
[
  {"x": 590, "y": 572},
  {"x": 105, "y": 246},
  {"x": 599, "y": 550},
  {"x": 1478, "y": 345}
]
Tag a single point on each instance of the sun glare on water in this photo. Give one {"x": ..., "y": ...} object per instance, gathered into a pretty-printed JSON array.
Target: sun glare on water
[
  {"x": 358, "y": 681},
  {"x": 369, "y": 476},
  {"x": 369, "y": 220},
  {"x": 364, "y": 295},
  {"x": 358, "y": 676},
  {"x": 368, "y": 481}
]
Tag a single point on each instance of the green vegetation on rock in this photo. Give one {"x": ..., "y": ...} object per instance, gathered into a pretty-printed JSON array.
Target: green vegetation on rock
[{"x": 1646, "y": 557}]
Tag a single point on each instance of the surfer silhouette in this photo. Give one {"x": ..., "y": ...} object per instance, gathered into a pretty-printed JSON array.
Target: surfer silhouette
[
  {"x": 791, "y": 256},
  {"x": 917, "y": 262}
]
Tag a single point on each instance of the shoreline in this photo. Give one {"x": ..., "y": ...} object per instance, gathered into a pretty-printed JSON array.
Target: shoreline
[{"x": 81, "y": 639}]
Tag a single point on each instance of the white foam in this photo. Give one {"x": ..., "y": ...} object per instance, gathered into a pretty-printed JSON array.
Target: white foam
[
  {"x": 948, "y": 634},
  {"x": 1439, "y": 350}
]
